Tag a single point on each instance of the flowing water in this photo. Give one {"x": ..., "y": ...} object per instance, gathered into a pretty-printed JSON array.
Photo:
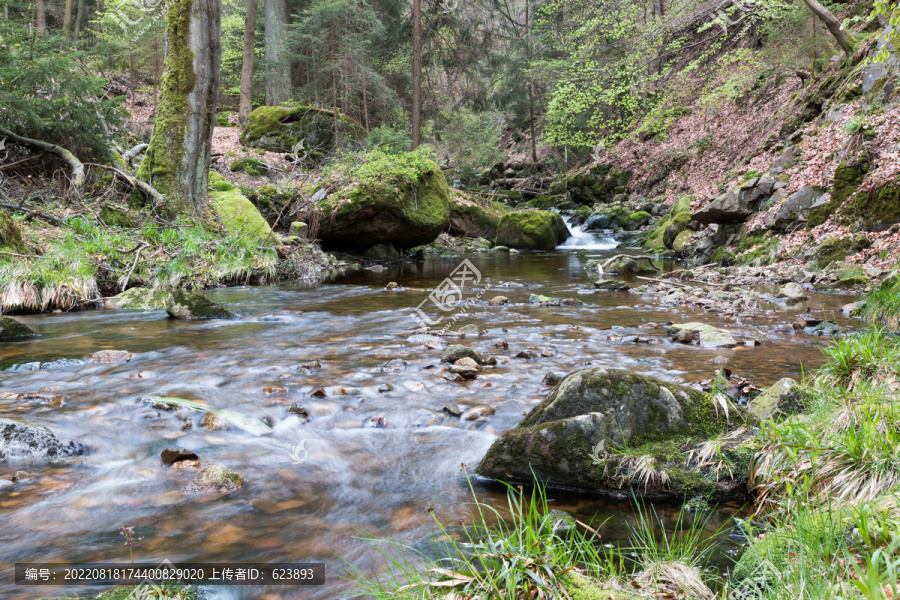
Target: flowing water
[{"x": 368, "y": 460}]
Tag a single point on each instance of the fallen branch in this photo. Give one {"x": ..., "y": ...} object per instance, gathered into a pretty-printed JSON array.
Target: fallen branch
[
  {"x": 76, "y": 165},
  {"x": 150, "y": 192},
  {"x": 134, "y": 152},
  {"x": 33, "y": 213}
]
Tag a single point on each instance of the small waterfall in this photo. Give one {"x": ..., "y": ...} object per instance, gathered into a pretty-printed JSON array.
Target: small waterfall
[{"x": 586, "y": 240}]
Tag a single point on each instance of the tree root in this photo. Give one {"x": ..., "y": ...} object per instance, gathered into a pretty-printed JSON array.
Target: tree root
[{"x": 77, "y": 179}]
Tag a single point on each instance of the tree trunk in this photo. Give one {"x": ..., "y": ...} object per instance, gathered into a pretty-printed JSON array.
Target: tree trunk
[
  {"x": 278, "y": 64},
  {"x": 843, "y": 38},
  {"x": 534, "y": 158},
  {"x": 247, "y": 64},
  {"x": 67, "y": 20},
  {"x": 417, "y": 75},
  {"x": 79, "y": 17},
  {"x": 40, "y": 18},
  {"x": 177, "y": 161}
]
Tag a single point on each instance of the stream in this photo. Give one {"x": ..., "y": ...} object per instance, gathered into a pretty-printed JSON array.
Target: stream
[{"x": 371, "y": 460}]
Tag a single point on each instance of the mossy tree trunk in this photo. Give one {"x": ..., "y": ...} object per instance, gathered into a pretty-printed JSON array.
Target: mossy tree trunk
[
  {"x": 278, "y": 64},
  {"x": 177, "y": 161}
]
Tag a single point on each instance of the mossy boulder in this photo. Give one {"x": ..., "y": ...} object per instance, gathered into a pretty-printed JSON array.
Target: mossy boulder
[
  {"x": 781, "y": 399},
  {"x": 280, "y": 128},
  {"x": 251, "y": 166},
  {"x": 848, "y": 176},
  {"x": 239, "y": 216},
  {"x": 598, "y": 425},
  {"x": 874, "y": 210},
  {"x": 12, "y": 330},
  {"x": 141, "y": 298},
  {"x": 468, "y": 219},
  {"x": 631, "y": 265},
  {"x": 532, "y": 230},
  {"x": 192, "y": 306},
  {"x": 664, "y": 233},
  {"x": 402, "y": 198},
  {"x": 636, "y": 220},
  {"x": 709, "y": 336},
  {"x": 836, "y": 249},
  {"x": 116, "y": 217},
  {"x": 592, "y": 184}
]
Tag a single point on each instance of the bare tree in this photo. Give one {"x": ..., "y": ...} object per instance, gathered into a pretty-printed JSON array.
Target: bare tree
[
  {"x": 417, "y": 75},
  {"x": 247, "y": 64}
]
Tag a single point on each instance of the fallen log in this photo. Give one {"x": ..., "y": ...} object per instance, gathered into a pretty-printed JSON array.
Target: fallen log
[{"x": 76, "y": 165}]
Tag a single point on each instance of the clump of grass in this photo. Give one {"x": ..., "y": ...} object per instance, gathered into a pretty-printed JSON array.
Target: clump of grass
[{"x": 881, "y": 308}]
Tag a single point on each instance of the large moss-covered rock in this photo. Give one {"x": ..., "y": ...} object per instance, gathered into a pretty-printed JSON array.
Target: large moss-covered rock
[
  {"x": 595, "y": 183},
  {"x": 599, "y": 427},
  {"x": 848, "y": 176},
  {"x": 663, "y": 234},
  {"x": 239, "y": 216},
  {"x": 192, "y": 306},
  {"x": 280, "y": 128},
  {"x": 12, "y": 330},
  {"x": 836, "y": 249},
  {"x": 532, "y": 230},
  {"x": 874, "y": 210},
  {"x": 141, "y": 298},
  {"x": 398, "y": 198},
  {"x": 468, "y": 219}
]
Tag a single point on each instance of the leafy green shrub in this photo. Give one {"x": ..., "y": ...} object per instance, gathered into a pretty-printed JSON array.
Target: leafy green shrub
[{"x": 388, "y": 139}]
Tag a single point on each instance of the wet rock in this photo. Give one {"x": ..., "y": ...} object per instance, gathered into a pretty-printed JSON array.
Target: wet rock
[
  {"x": 684, "y": 336},
  {"x": 850, "y": 309},
  {"x": 105, "y": 357},
  {"x": 498, "y": 301},
  {"x": 214, "y": 478},
  {"x": 457, "y": 351},
  {"x": 12, "y": 330},
  {"x": 318, "y": 393},
  {"x": 543, "y": 300},
  {"x": 611, "y": 285},
  {"x": 140, "y": 298},
  {"x": 61, "y": 365},
  {"x": 491, "y": 361},
  {"x": 383, "y": 252},
  {"x": 792, "y": 292},
  {"x": 452, "y": 409},
  {"x": 477, "y": 412},
  {"x": 828, "y": 328},
  {"x": 24, "y": 441},
  {"x": 429, "y": 341},
  {"x": 192, "y": 306},
  {"x": 464, "y": 371},
  {"x": 467, "y": 362},
  {"x": 6, "y": 485},
  {"x": 377, "y": 423},
  {"x": 384, "y": 388},
  {"x": 391, "y": 286},
  {"x": 213, "y": 422},
  {"x": 297, "y": 409},
  {"x": 469, "y": 330},
  {"x": 501, "y": 344},
  {"x": 170, "y": 456},
  {"x": 779, "y": 400},
  {"x": 564, "y": 440},
  {"x": 550, "y": 378},
  {"x": 22, "y": 476},
  {"x": 531, "y": 230},
  {"x": 630, "y": 265},
  {"x": 709, "y": 336},
  {"x": 526, "y": 354},
  {"x": 311, "y": 365}
]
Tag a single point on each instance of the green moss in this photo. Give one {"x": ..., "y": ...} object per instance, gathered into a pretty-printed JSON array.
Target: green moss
[
  {"x": 875, "y": 210},
  {"x": 141, "y": 298},
  {"x": 582, "y": 588},
  {"x": 10, "y": 234},
  {"x": 238, "y": 214},
  {"x": 848, "y": 176},
  {"x": 165, "y": 155},
  {"x": 661, "y": 238},
  {"x": 279, "y": 128},
  {"x": 681, "y": 240},
  {"x": 636, "y": 220},
  {"x": 115, "y": 217},
  {"x": 472, "y": 220},
  {"x": 529, "y": 229}
]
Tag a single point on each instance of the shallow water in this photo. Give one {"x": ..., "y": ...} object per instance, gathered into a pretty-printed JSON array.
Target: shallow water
[{"x": 351, "y": 476}]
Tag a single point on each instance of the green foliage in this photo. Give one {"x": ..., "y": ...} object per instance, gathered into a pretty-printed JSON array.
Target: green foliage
[
  {"x": 468, "y": 142},
  {"x": 389, "y": 139},
  {"x": 388, "y": 168},
  {"x": 47, "y": 95},
  {"x": 882, "y": 307}
]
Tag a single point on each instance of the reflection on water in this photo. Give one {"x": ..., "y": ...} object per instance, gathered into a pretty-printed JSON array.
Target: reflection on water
[{"x": 380, "y": 449}]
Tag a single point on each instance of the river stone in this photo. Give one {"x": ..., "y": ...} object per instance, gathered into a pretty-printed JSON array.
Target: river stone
[
  {"x": 170, "y": 456},
  {"x": 467, "y": 362},
  {"x": 781, "y": 399},
  {"x": 213, "y": 422},
  {"x": 477, "y": 412},
  {"x": 457, "y": 351},
  {"x": 140, "y": 298},
  {"x": 469, "y": 329},
  {"x": 498, "y": 301},
  {"x": 464, "y": 371},
  {"x": 564, "y": 440},
  {"x": 626, "y": 265},
  {"x": 429, "y": 341},
  {"x": 710, "y": 337},
  {"x": 683, "y": 336},
  {"x": 792, "y": 292},
  {"x": 610, "y": 285},
  {"x": 12, "y": 330},
  {"x": 214, "y": 478},
  {"x": 23, "y": 441},
  {"x": 105, "y": 357},
  {"x": 192, "y": 306}
]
